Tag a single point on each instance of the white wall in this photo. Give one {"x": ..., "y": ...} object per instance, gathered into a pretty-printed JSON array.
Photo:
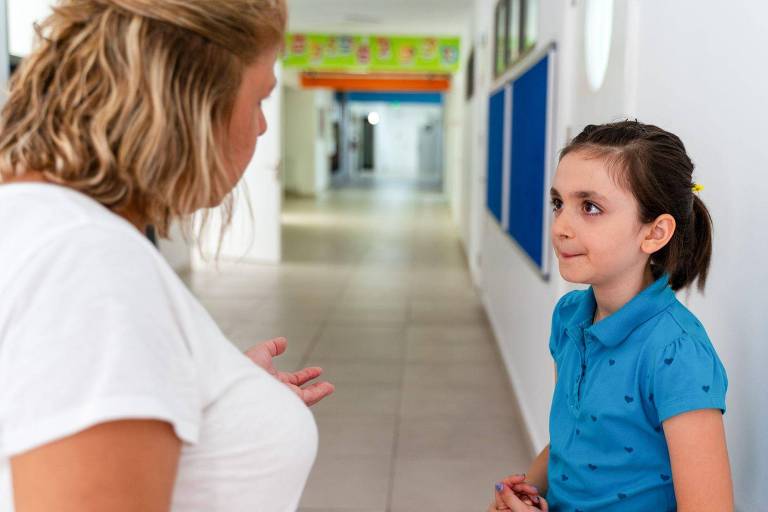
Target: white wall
[
  {"x": 698, "y": 73},
  {"x": 22, "y": 15},
  {"x": 704, "y": 79},
  {"x": 456, "y": 129},
  {"x": 400, "y": 126},
  {"x": 176, "y": 251},
  {"x": 4, "y": 45},
  {"x": 308, "y": 140}
]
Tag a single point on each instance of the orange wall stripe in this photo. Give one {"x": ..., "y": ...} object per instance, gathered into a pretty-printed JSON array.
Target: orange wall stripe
[{"x": 376, "y": 83}]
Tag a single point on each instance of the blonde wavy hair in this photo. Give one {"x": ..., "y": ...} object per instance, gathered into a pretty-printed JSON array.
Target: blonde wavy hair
[{"x": 126, "y": 100}]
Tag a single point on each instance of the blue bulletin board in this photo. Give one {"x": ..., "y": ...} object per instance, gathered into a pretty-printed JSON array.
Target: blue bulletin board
[
  {"x": 495, "y": 153},
  {"x": 521, "y": 156}
]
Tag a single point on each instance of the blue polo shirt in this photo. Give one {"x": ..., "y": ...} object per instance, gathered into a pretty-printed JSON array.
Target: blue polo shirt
[{"x": 618, "y": 381}]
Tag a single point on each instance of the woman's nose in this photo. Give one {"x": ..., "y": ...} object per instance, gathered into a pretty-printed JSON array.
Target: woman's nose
[{"x": 262, "y": 124}]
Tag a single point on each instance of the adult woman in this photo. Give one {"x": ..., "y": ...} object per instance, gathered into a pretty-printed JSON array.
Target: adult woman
[{"x": 117, "y": 390}]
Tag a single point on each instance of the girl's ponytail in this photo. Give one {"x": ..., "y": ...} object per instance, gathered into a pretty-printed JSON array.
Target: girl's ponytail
[{"x": 695, "y": 249}]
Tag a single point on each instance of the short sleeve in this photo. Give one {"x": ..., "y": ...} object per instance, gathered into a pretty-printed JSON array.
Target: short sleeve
[
  {"x": 94, "y": 338},
  {"x": 687, "y": 375}
]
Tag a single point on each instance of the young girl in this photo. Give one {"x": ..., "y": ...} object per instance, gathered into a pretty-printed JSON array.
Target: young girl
[{"x": 636, "y": 420}]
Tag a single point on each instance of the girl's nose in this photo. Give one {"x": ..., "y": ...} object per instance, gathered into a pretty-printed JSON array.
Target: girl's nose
[{"x": 560, "y": 227}]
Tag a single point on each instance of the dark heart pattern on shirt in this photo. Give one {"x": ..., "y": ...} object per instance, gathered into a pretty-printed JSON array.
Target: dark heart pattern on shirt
[
  {"x": 657, "y": 429},
  {"x": 650, "y": 398},
  {"x": 628, "y": 399},
  {"x": 611, "y": 362},
  {"x": 592, "y": 467},
  {"x": 669, "y": 361},
  {"x": 564, "y": 477},
  {"x": 665, "y": 477},
  {"x": 594, "y": 418},
  {"x": 622, "y": 496},
  {"x": 629, "y": 449},
  {"x": 705, "y": 388},
  {"x": 578, "y": 432}
]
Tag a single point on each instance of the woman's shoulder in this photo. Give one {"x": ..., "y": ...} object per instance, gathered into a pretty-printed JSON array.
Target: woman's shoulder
[{"x": 45, "y": 226}]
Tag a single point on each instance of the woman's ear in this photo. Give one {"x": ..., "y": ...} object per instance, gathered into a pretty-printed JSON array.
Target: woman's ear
[{"x": 658, "y": 233}]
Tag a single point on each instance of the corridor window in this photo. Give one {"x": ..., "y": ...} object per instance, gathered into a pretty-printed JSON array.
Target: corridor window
[
  {"x": 530, "y": 24},
  {"x": 513, "y": 40},
  {"x": 501, "y": 34},
  {"x": 516, "y": 30}
]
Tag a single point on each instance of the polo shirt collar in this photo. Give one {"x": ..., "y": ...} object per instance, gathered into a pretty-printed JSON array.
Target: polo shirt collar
[{"x": 616, "y": 328}]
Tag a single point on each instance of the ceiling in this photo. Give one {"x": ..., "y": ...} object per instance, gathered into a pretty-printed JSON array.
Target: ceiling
[{"x": 396, "y": 17}]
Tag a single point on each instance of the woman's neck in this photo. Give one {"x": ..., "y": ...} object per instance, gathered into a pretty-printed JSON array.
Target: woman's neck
[
  {"x": 38, "y": 177},
  {"x": 611, "y": 297}
]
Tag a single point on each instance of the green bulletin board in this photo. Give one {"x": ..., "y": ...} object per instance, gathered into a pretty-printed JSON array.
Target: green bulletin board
[{"x": 375, "y": 53}]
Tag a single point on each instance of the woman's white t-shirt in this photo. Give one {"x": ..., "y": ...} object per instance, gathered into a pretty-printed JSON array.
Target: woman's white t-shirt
[{"x": 95, "y": 326}]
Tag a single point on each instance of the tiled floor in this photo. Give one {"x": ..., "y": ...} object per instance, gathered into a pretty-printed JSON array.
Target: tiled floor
[{"x": 374, "y": 289}]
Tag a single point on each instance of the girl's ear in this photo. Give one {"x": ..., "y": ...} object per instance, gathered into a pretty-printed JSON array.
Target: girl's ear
[{"x": 659, "y": 233}]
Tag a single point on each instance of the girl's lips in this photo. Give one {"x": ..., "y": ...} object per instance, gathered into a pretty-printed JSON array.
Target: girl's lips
[{"x": 569, "y": 255}]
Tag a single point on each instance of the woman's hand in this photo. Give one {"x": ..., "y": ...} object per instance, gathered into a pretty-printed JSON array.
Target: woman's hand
[{"x": 263, "y": 354}]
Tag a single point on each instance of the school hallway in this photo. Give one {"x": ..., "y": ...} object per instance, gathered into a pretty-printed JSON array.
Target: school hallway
[{"x": 374, "y": 288}]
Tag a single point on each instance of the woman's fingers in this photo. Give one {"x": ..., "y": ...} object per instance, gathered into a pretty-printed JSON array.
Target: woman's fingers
[
  {"x": 301, "y": 377},
  {"x": 313, "y": 393}
]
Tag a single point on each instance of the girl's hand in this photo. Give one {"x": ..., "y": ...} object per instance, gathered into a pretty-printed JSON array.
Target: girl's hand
[
  {"x": 525, "y": 492},
  {"x": 507, "y": 499},
  {"x": 521, "y": 486}
]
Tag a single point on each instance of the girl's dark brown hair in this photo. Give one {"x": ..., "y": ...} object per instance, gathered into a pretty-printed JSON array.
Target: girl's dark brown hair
[{"x": 653, "y": 164}]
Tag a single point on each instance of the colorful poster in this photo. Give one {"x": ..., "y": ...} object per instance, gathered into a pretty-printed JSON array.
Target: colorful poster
[{"x": 376, "y": 53}]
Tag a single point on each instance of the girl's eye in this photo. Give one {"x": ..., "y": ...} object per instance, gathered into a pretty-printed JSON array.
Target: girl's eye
[
  {"x": 556, "y": 205},
  {"x": 591, "y": 208}
]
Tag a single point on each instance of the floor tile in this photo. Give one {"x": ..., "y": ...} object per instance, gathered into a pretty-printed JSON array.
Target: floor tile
[
  {"x": 480, "y": 438},
  {"x": 356, "y": 483},
  {"x": 448, "y": 485},
  {"x": 359, "y": 400},
  {"x": 356, "y": 436}
]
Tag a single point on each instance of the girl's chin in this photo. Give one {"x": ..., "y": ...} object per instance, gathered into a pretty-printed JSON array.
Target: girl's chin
[{"x": 574, "y": 276}]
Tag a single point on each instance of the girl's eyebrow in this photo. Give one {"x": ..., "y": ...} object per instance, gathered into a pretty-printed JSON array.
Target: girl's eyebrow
[{"x": 581, "y": 194}]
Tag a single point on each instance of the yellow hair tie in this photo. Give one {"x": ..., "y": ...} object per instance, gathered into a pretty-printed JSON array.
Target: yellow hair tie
[{"x": 697, "y": 188}]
